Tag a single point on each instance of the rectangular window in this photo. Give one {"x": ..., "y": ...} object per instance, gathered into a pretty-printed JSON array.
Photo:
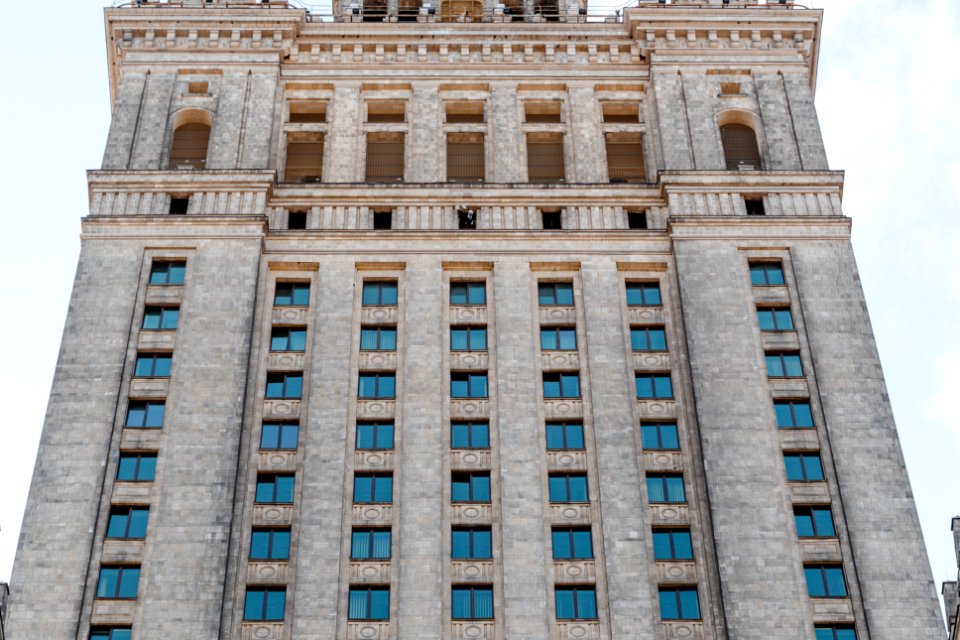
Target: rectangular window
[
  {"x": 643, "y": 294},
  {"x": 385, "y": 157},
  {"x": 279, "y": 435},
  {"x": 377, "y": 385},
  {"x": 153, "y": 365},
  {"x": 555, "y": 294},
  {"x": 304, "y": 156},
  {"x": 270, "y": 544},
  {"x": 814, "y": 522},
  {"x": 383, "y": 220},
  {"x": 465, "y": 112},
  {"x": 775, "y": 318},
  {"x": 288, "y": 386},
  {"x": 384, "y": 112},
  {"x": 835, "y": 633},
  {"x": 468, "y": 293},
  {"x": 793, "y": 415},
  {"x": 558, "y": 338},
  {"x": 564, "y": 436},
  {"x": 620, "y": 112},
  {"x": 568, "y": 487},
  {"x": 468, "y": 385},
  {"x": 470, "y": 435},
  {"x": 308, "y": 112},
  {"x": 287, "y": 339},
  {"x": 119, "y": 633},
  {"x": 370, "y": 603},
  {"x": 264, "y": 605},
  {"x": 653, "y": 385},
  {"x": 648, "y": 339},
  {"x": 766, "y": 274},
  {"x": 179, "y": 205},
  {"x": 542, "y": 112},
  {"x": 471, "y": 544},
  {"x": 296, "y": 220},
  {"x": 754, "y": 206},
  {"x": 465, "y": 157},
  {"x": 663, "y": 489},
  {"x": 468, "y": 338},
  {"x": 137, "y": 467},
  {"x": 681, "y": 603},
  {"x": 118, "y": 582},
  {"x": 473, "y": 603},
  {"x": 784, "y": 365},
  {"x": 371, "y": 488},
  {"x": 161, "y": 318},
  {"x": 167, "y": 272},
  {"x": 825, "y": 581},
  {"x": 572, "y": 544},
  {"x": 545, "y": 157},
  {"x": 660, "y": 436},
  {"x": 379, "y": 294},
  {"x": 274, "y": 489},
  {"x": 145, "y": 415},
  {"x": 128, "y": 523},
  {"x": 803, "y": 467},
  {"x": 576, "y": 603},
  {"x": 378, "y": 339},
  {"x": 467, "y": 218},
  {"x": 470, "y": 487},
  {"x": 672, "y": 544},
  {"x": 370, "y": 544},
  {"x": 637, "y": 220},
  {"x": 374, "y": 436},
  {"x": 625, "y": 157},
  {"x": 561, "y": 385},
  {"x": 551, "y": 219},
  {"x": 292, "y": 294}
]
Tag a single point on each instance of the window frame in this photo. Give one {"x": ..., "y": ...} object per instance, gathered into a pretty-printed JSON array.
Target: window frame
[
  {"x": 671, "y": 537},
  {"x": 568, "y": 488},
  {"x": 664, "y": 479},
  {"x": 640, "y": 291},
  {"x": 378, "y": 332},
  {"x": 766, "y": 268},
  {"x": 161, "y": 313},
  {"x": 554, "y": 289},
  {"x": 126, "y": 512},
  {"x": 849, "y": 632},
  {"x": 277, "y": 491},
  {"x": 376, "y": 426},
  {"x": 272, "y": 554},
  {"x": 785, "y": 360},
  {"x": 558, "y": 333},
  {"x": 470, "y": 330},
  {"x": 119, "y": 582},
  {"x": 281, "y": 428},
  {"x": 473, "y": 553},
  {"x": 292, "y": 383},
  {"x": 470, "y": 288},
  {"x": 473, "y": 590},
  {"x": 470, "y": 424},
  {"x": 380, "y": 286},
  {"x": 145, "y": 406},
  {"x": 574, "y": 592},
  {"x": 161, "y": 274},
  {"x": 564, "y": 428},
  {"x": 678, "y": 602},
  {"x": 562, "y": 379},
  {"x": 808, "y": 512},
  {"x": 369, "y": 602},
  {"x": 570, "y": 534},
  {"x": 159, "y": 364},
  {"x": 802, "y": 458},
  {"x": 371, "y": 534},
  {"x": 792, "y": 406},
  {"x": 110, "y": 633},
  {"x": 479, "y": 487},
  {"x": 374, "y": 478},
  {"x": 658, "y": 427},
  {"x": 646, "y": 332},
  {"x": 264, "y": 593},
  {"x": 288, "y": 338},
  {"x": 377, "y": 376},
  {"x": 471, "y": 378},
  {"x": 775, "y": 315},
  {"x": 296, "y": 290},
  {"x": 824, "y": 571},
  {"x": 653, "y": 377},
  {"x": 139, "y": 457}
]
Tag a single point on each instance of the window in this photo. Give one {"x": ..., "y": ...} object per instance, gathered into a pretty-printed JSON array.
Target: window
[
  {"x": 472, "y": 603},
  {"x": 189, "y": 147},
  {"x": 118, "y": 582},
  {"x": 377, "y": 385},
  {"x": 784, "y": 365},
  {"x": 378, "y": 339},
  {"x": 654, "y": 385},
  {"x": 680, "y": 603},
  {"x": 161, "y": 318},
  {"x": 637, "y": 220},
  {"x": 264, "y": 605},
  {"x": 270, "y": 544},
  {"x": 179, "y": 206},
  {"x": 374, "y": 435},
  {"x": 625, "y": 157},
  {"x": 468, "y": 385},
  {"x": 466, "y": 219},
  {"x": 672, "y": 544},
  {"x": 385, "y": 157},
  {"x": 648, "y": 339},
  {"x": 665, "y": 489},
  {"x": 465, "y": 112},
  {"x": 283, "y": 339},
  {"x": 383, "y": 112},
  {"x": 153, "y": 365},
  {"x": 544, "y": 112},
  {"x": 754, "y": 206},
  {"x": 740, "y": 150},
  {"x": 128, "y": 523},
  {"x": 835, "y": 633},
  {"x": 814, "y": 522},
  {"x": 383, "y": 220},
  {"x": 775, "y": 319},
  {"x": 568, "y": 487},
  {"x": 555, "y": 294},
  {"x": 643, "y": 294},
  {"x": 371, "y": 603},
  {"x": 471, "y": 293},
  {"x": 471, "y": 544},
  {"x": 379, "y": 294},
  {"x": 304, "y": 157},
  {"x": 145, "y": 415},
  {"x": 279, "y": 435},
  {"x": 660, "y": 436},
  {"x": 296, "y": 220},
  {"x": 470, "y": 435},
  {"x": 292, "y": 294},
  {"x": 545, "y": 157},
  {"x": 117, "y": 633},
  {"x": 370, "y": 544},
  {"x": 793, "y": 415},
  {"x": 564, "y": 435},
  {"x": 766, "y": 274},
  {"x": 571, "y": 544},
  {"x": 470, "y": 487},
  {"x": 308, "y": 112},
  {"x": 551, "y": 219},
  {"x": 558, "y": 338},
  {"x": 576, "y": 603},
  {"x": 274, "y": 489},
  {"x": 561, "y": 385},
  {"x": 620, "y": 112},
  {"x": 825, "y": 581},
  {"x": 468, "y": 338},
  {"x": 284, "y": 385},
  {"x": 803, "y": 467},
  {"x": 164, "y": 272},
  {"x": 465, "y": 157},
  {"x": 137, "y": 467},
  {"x": 370, "y": 488}
]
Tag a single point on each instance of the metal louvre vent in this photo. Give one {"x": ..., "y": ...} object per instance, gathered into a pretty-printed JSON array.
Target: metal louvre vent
[
  {"x": 189, "y": 148},
  {"x": 545, "y": 157},
  {"x": 384, "y": 157},
  {"x": 304, "y": 157},
  {"x": 465, "y": 157},
  {"x": 740, "y": 148},
  {"x": 625, "y": 158}
]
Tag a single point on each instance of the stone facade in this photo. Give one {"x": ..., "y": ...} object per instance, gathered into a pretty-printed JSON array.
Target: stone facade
[
  {"x": 951, "y": 595},
  {"x": 539, "y": 91}
]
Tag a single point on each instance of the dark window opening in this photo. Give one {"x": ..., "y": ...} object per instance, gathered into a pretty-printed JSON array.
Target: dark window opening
[
  {"x": 467, "y": 218},
  {"x": 637, "y": 220},
  {"x": 179, "y": 206},
  {"x": 552, "y": 219},
  {"x": 383, "y": 219},
  {"x": 754, "y": 206},
  {"x": 297, "y": 220}
]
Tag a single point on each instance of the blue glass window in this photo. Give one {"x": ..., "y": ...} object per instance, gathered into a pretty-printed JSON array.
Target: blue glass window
[
  {"x": 161, "y": 318},
  {"x": 270, "y": 544},
  {"x": 470, "y": 435},
  {"x": 643, "y": 294},
  {"x": 370, "y": 544},
  {"x": 374, "y": 435},
  {"x": 648, "y": 339},
  {"x": 654, "y": 385},
  {"x": 766, "y": 274},
  {"x": 572, "y": 544},
  {"x": 558, "y": 339},
  {"x": 803, "y": 467},
  {"x": 285, "y": 339},
  {"x": 129, "y": 523},
  {"x": 113, "y": 633},
  {"x": 292, "y": 294},
  {"x": 379, "y": 294},
  {"x": 568, "y": 487},
  {"x": 825, "y": 581},
  {"x": 372, "y": 489},
  {"x": 576, "y": 603},
  {"x": 660, "y": 436},
  {"x": 468, "y": 338},
  {"x": 378, "y": 339},
  {"x": 279, "y": 435},
  {"x": 814, "y": 522},
  {"x": 672, "y": 544},
  {"x": 774, "y": 319},
  {"x": 472, "y": 603},
  {"x": 153, "y": 365},
  {"x": 793, "y": 415},
  {"x": 118, "y": 582},
  {"x": 369, "y": 603},
  {"x": 681, "y": 603},
  {"x": 265, "y": 605},
  {"x": 472, "y": 293},
  {"x": 163, "y": 272},
  {"x": 564, "y": 435},
  {"x": 471, "y": 544},
  {"x": 468, "y": 385},
  {"x": 555, "y": 294},
  {"x": 274, "y": 489},
  {"x": 137, "y": 467},
  {"x": 470, "y": 487},
  {"x": 665, "y": 489},
  {"x": 377, "y": 385},
  {"x": 145, "y": 415},
  {"x": 784, "y": 365},
  {"x": 836, "y": 633},
  {"x": 561, "y": 385},
  {"x": 284, "y": 386}
]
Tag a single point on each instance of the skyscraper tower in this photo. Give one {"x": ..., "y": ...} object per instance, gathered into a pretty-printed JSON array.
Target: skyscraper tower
[{"x": 458, "y": 319}]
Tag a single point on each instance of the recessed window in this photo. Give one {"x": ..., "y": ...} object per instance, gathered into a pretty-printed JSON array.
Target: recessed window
[
  {"x": 555, "y": 294},
  {"x": 145, "y": 415},
  {"x": 576, "y": 603},
  {"x": 188, "y": 149},
  {"x": 470, "y": 487},
  {"x": 179, "y": 206},
  {"x": 653, "y": 385},
  {"x": 153, "y": 365},
  {"x": 304, "y": 161},
  {"x": 571, "y": 543},
  {"x": 270, "y": 544},
  {"x": 279, "y": 435},
  {"x": 665, "y": 489},
  {"x": 374, "y": 436},
  {"x": 472, "y": 603},
  {"x": 292, "y": 294},
  {"x": 754, "y": 206},
  {"x": 551, "y": 219},
  {"x": 729, "y": 88},
  {"x": 383, "y": 219},
  {"x": 377, "y": 385},
  {"x": 296, "y": 220},
  {"x": 835, "y": 633},
  {"x": 784, "y": 365},
  {"x": 766, "y": 274},
  {"x": 308, "y": 112},
  {"x": 370, "y": 544},
  {"x": 740, "y": 149},
  {"x": 137, "y": 467},
  {"x": 465, "y": 112},
  {"x": 467, "y": 219},
  {"x": 128, "y": 523},
  {"x": 648, "y": 339},
  {"x": 545, "y": 157},
  {"x": 466, "y": 161},
  {"x": 660, "y": 436},
  {"x": 468, "y": 293},
  {"x": 161, "y": 318},
  {"x": 825, "y": 581},
  {"x": 775, "y": 318},
  {"x": 814, "y": 522},
  {"x": 558, "y": 338},
  {"x": 803, "y": 467},
  {"x": 643, "y": 294},
  {"x": 561, "y": 385},
  {"x": 371, "y": 603},
  {"x": 637, "y": 220},
  {"x": 169, "y": 273},
  {"x": 468, "y": 385},
  {"x": 378, "y": 339},
  {"x": 288, "y": 339},
  {"x": 681, "y": 603},
  {"x": 568, "y": 487},
  {"x": 372, "y": 488},
  {"x": 545, "y": 112},
  {"x": 793, "y": 414},
  {"x": 379, "y": 294},
  {"x": 287, "y": 386},
  {"x": 264, "y": 605},
  {"x": 118, "y": 583},
  {"x": 621, "y": 112},
  {"x": 385, "y": 112},
  {"x": 625, "y": 162},
  {"x": 565, "y": 436},
  {"x": 471, "y": 544},
  {"x": 385, "y": 156},
  {"x": 274, "y": 489},
  {"x": 114, "y": 633},
  {"x": 672, "y": 544},
  {"x": 470, "y": 435},
  {"x": 468, "y": 338}
]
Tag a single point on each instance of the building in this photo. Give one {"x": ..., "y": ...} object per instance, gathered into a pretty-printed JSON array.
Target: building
[
  {"x": 951, "y": 595},
  {"x": 4, "y": 596},
  {"x": 468, "y": 320}
]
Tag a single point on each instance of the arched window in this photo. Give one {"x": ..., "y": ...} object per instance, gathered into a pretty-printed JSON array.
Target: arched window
[
  {"x": 740, "y": 148},
  {"x": 189, "y": 148}
]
